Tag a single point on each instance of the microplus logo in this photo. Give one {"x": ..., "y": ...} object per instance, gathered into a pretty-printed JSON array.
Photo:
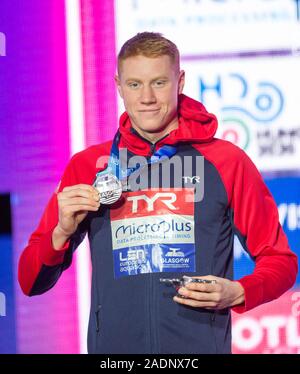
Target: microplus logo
[
  {"x": 2, "y": 44},
  {"x": 2, "y": 305},
  {"x": 164, "y": 228}
]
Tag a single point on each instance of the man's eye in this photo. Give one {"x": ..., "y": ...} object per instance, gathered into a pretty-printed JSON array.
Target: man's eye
[
  {"x": 159, "y": 83},
  {"x": 133, "y": 85}
]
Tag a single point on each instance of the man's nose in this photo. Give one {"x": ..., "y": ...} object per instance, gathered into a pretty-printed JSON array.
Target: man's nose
[{"x": 147, "y": 95}]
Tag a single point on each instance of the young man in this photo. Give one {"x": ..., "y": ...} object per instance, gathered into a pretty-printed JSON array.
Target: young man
[{"x": 155, "y": 232}]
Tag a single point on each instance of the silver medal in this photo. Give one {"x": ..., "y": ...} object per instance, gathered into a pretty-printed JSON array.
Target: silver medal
[{"x": 109, "y": 188}]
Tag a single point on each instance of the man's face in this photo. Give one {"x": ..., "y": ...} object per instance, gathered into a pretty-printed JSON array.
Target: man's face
[{"x": 149, "y": 88}]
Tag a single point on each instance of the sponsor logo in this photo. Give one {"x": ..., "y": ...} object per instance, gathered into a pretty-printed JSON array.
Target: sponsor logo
[
  {"x": 267, "y": 97},
  {"x": 133, "y": 255},
  {"x": 193, "y": 179},
  {"x": 167, "y": 198},
  {"x": 251, "y": 115},
  {"x": 174, "y": 252},
  {"x": 160, "y": 227},
  {"x": 237, "y": 117}
]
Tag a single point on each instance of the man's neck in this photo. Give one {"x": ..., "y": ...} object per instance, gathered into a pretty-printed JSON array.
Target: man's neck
[{"x": 154, "y": 137}]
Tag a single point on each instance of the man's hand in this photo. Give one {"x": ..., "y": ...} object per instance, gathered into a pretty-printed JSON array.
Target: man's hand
[
  {"x": 222, "y": 294},
  {"x": 74, "y": 203}
]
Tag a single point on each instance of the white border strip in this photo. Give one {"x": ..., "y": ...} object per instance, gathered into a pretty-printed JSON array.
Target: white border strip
[{"x": 77, "y": 143}]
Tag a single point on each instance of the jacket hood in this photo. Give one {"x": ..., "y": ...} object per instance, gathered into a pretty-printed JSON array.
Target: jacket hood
[{"x": 196, "y": 125}]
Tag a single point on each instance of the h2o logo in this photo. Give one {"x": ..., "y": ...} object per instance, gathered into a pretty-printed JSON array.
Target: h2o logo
[{"x": 168, "y": 198}]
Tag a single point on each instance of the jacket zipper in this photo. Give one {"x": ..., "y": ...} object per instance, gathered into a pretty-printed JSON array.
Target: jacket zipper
[
  {"x": 153, "y": 339},
  {"x": 152, "y": 148},
  {"x": 152, "y": 145}
]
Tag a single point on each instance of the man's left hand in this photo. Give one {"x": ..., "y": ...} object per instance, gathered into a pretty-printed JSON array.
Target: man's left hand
[{"x": 222, "y": 294}]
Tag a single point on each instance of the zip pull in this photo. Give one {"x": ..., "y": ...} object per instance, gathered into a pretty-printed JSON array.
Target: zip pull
[{"x": 152, "y": 149}]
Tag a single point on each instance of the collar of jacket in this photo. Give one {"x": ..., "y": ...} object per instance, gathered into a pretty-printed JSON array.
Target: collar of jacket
[{"x": 196, "y": 125}]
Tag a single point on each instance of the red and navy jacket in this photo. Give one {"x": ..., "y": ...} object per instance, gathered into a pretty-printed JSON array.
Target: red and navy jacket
[{"x": 136, "y": 314}]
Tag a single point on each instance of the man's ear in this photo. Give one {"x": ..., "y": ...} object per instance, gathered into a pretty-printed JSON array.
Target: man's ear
[
  {"x": 118, "y": 83},
  {"x": 181, "y": 81}
]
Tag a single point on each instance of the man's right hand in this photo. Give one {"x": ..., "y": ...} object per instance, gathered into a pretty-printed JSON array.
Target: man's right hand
[{"x": 74, "y": 203}]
